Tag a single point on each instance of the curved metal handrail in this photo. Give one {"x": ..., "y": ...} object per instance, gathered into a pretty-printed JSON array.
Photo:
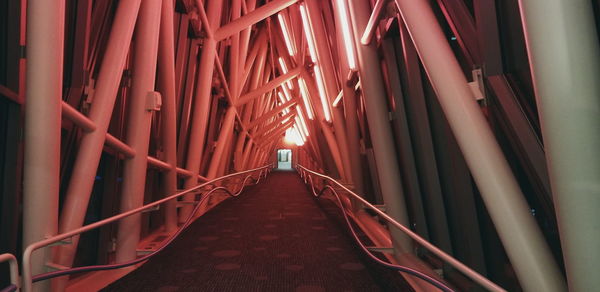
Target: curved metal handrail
[
  {"x": 14, "y": 272},
  {"x": 28, "y": 279},
  {"x": 473, "y": 275}
]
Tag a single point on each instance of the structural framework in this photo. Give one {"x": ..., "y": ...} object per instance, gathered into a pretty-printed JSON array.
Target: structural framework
[{"x": 461, "y": 137}]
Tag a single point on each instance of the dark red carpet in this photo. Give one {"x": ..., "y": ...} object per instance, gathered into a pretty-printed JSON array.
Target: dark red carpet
[{"x": 274, "y": 237}]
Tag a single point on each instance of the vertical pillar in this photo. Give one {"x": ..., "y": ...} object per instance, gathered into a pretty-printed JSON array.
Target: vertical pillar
[
  {"x": 138, "y": 130},
  {"x": 522, "y": 239},
  {"x": 565, "y": 62},
  {"x": 386, "y": 158},
  {"x": 90, "y": 149},
  {"x": 168, "y": 126},
  {"x": 45, "y": 39},
  {"x": 201, "y": 103}
]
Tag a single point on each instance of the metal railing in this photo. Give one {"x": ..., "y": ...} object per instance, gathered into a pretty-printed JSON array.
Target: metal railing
[
  {"x": 14, "y": 272},
  {"x": 206, "y": 190},
  {"x": 307, "y": 175}
]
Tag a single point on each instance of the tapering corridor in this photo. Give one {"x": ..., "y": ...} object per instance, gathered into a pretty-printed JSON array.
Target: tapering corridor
[
  {"x": 273, "y": 237},
  {"x": 299, "y": 145}
]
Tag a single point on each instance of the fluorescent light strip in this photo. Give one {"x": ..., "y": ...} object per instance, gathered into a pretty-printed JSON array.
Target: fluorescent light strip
[
  {"x": 299, "y": 131},
  {"x": 303, "y": 122},
  {"x": 305, "y": 99},
  {"x": 308, "y": 32},
  {"x": 322, "y": 93},
  {"x": 282, "y": 99},
  {"x": 286, "y": 34},
  {"x": 284, "y": 68},
  {"x": 298, "y": 137},
  {"x": 338, "y": 99},
  {"x": 346, "y": 33},
  {"x": 287, "y": 93}
]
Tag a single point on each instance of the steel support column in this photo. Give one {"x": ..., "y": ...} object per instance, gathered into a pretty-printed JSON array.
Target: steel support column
[
  {"x": 564, "y": 55},
  {"x": 251, "y": 18},
  {"x": 90, "y": 149},
  {"x": 524, "y": 243},
  {"x": 371, "y": 80},
  {"x": 45, "y": 39},
  {"x": 168, "y": 126},
  {"x": 202, "y": 101},
  {"x": 138, "y": 130}
]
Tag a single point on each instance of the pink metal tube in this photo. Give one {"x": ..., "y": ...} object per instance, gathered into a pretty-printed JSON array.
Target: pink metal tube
[
  {"x": 45, "y": 38},
  {"x": 525, "y": 245},
  {"x": 78, "y": 118},
  {"x": 376, "y": 108},
  {"x": 251, "y": 18},
  {"x": 330, "y": 82},
  {"x": 138, "y": 130},
  {"x": 269, "y": 86},
  {"x": 564, "y": 55},
  {"x": 88, "y": 157},
  {"x": 166, "y": 71},
  {"x": 367, "y": 36},
  {"x": 350, "y": 112},
  {"x": 118, "y": 145},
  {"x": 224, "y": 135},
  {"x": 202, "y": 100}
]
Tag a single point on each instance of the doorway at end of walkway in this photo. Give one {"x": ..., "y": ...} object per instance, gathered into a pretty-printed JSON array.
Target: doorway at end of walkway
[{"x": 284, "y": 159}]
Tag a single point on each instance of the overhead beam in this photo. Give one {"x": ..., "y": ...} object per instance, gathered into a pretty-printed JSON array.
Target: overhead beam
[
  {"x": 273, "y": 125},
  {"x": 269, "y": 86},
  {"x": 252, "y": 18},
  {"x": 269, "y": 138},
  {"x": 271, "y": 113}
]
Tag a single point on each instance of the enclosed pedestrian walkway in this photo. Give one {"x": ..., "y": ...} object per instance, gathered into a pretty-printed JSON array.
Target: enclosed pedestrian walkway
[{"x": 274, "y": 237}]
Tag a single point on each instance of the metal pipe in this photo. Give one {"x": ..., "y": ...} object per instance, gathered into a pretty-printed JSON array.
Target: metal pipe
[
  {"x": 329, "y": 137},
  {"x": 271, "y": 113},
  {"x": 234, "y": 52},
  {"x": 567, "y": 93},
  {"x": 273, "y": 135},
  {"x": 386, "y": 158},
  {"x": 119, "y": 146},
  {"x": 202, "y": 98},
  {"x": 252, "y": 18},
  {"x": 351, "y": 116},
  {"x": 88, "y": 156},
  {"x": 325, "y": 61},
  {"x": 138, "y": 130},
  {"x": 77, "y": 117},
  {"x": 224, "y": 135},
  {"x": 168, "y": 125},
  {"x": 268, "y": 86},
  {"x": 523, "y": 241},
  {"x": 13, "y": 267},
  {"x": 371, "y": 27},
  {"x": 41, "y": 166},
  {"x": 268, "y": 127}
]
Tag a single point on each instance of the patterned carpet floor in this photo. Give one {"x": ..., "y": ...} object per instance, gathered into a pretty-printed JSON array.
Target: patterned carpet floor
[{"x": 274, "y": 237}]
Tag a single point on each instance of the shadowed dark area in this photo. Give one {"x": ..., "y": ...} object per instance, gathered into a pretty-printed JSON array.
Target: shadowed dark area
[{"x": 274, "y": 237}]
